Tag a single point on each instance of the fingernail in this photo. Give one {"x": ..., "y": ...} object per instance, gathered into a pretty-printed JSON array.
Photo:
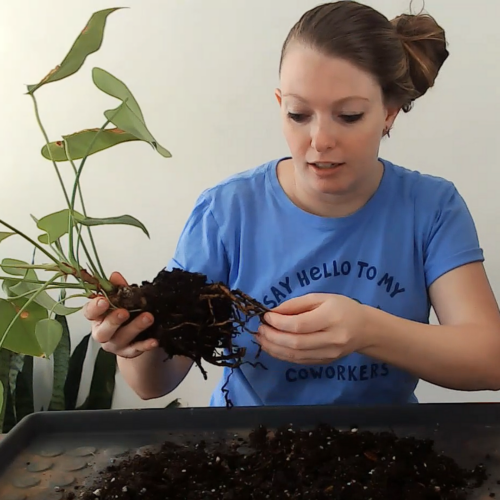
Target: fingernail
[
  {"x": 154, "y": 344},
  {"x": 121, "y": 316},
  {"x": 146, "y": 320},
  {"x": 101, "y": 303}
]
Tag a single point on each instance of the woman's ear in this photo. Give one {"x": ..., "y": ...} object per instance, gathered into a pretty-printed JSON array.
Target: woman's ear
[
  {"x": 277, "y": 93},
  {"x": 391, "y": 115}
]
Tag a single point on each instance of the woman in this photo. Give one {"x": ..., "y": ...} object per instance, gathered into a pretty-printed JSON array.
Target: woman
[{"x": 349, "y": 250}]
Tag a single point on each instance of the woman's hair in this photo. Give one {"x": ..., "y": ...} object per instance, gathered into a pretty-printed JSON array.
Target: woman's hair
[{"x": 404, "y": 55}]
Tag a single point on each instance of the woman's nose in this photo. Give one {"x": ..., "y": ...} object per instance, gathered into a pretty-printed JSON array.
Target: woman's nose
[{"x": 323, "y": 137}]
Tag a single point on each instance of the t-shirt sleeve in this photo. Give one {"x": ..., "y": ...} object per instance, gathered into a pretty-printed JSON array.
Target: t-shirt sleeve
[
  {"x": 452, "y": 240},
  {"x": 200, "y": 248}
]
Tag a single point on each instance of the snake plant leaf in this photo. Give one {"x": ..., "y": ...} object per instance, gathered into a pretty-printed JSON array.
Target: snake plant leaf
[
  {"x": 48, "y": 332},
  {"x": 18, "y": 268},
  {"x": 4, "y": 235},
  {"x": 24, "y": 404},
  {"x": 21, "y": 337},
  {"x": 56, "y": 225},
  {"x": 75, "y": 371},
  {"x": 102, "y": 385},
  {"x": 2, "y": 405},
  {"x": 5, "y": 356},
  {"x": 78, "y": 143},
  {"x": 16, "y": 367},
  {"x": 128, "y": 116},
  {"x": 122, "y": 219},
  {"x": 61, "y": 365},
  {"x": 87, "y": 42}
]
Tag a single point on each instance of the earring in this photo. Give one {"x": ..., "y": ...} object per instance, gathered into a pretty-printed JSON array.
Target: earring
[{"x": 387, "y": 132}]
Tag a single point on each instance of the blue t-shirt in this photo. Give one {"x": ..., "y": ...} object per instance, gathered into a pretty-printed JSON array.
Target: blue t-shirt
[{"x": 246, "y": 233}]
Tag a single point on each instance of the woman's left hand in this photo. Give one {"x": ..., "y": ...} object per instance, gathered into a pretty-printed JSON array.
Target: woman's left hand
[{"x": 316, "y": 328}]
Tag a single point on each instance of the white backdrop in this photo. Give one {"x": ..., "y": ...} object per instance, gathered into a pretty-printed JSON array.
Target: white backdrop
[{"x": 204, "y": 73}]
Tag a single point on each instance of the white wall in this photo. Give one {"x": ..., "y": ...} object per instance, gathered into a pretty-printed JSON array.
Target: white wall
[{"x": 204, "y": 73}]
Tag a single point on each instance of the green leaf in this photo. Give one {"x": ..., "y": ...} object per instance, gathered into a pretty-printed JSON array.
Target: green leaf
[
  {"x": 21, "y": 287},
  {"x": 78, "y": 143},
  {"x": 88, "y": 42},
  {"x": 2, "y": 405},
  {"x": 24, "y": 404},
  {"x": 4, "y": 235},
  {"x": 56, "y": 225},
  {"x": 21, "y": 337},
  {"x": 61, "y": 364},
  {"x": 128, "y": 116},
  {"x": 5, "y": 356},
  {"x": 122, "y": 219},
  {"x": 48, "y": 333},
  {"x": 16, "y": 366},
  {"x": 102, "y": 386},
  {"x": 75, "y": 369}
]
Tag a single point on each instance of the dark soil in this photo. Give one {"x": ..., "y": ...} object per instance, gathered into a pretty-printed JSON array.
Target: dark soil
[
  {"x": 193, "y": 318},
  {"x": 290, "y": 464}
]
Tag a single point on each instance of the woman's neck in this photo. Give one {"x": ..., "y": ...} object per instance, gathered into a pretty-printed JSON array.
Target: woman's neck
[{"x": 326, "y": 204}]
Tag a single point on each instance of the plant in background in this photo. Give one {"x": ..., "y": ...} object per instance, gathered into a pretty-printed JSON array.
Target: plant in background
[{"x": 193, "y": 317}]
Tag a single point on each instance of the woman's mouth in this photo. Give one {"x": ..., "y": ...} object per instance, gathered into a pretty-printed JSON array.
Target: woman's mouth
[{"x": 325, "y": 165}]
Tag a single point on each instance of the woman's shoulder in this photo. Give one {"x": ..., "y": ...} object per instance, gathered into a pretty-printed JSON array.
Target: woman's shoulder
[
  {"x": 243, "y": 187},
  {"x": 424, "y": 191}
]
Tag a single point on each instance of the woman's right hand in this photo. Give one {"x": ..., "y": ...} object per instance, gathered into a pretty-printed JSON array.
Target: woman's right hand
[{"x": 107, "y": 329}]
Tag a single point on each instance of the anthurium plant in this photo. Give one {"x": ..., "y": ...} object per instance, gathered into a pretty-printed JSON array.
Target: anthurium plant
[
  {"x": 28, "y": 323},
  {"x": 193, "y": 317}
]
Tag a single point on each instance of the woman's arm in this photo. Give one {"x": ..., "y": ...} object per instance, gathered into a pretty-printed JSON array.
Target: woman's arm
[{"x": 462, "y": 352}]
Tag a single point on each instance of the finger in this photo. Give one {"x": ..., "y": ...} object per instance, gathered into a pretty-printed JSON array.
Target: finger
[
  {"x": 302, "y": 342},
  {"x": 291, "y": 355},
  {"x": 128, "y": 333},
  {"x": 131, "y": 351},
  {"x": 117, "y": 279},
  {"x": 94, "y": 309},
  {"x": 305, "y": 322},
  {"x": 107, "y": 328},
  {"x": 300, "y": 304}
]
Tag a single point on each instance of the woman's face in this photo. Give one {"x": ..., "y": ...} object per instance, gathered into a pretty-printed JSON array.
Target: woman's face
[{"x": 334, "y": 118}]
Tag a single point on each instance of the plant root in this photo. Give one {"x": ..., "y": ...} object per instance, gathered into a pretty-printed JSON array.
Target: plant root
[{"x": 193, "y": 318}]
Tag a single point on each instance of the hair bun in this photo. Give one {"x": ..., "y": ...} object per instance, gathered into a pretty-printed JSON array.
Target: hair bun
[{"x": 425, "y": 44}]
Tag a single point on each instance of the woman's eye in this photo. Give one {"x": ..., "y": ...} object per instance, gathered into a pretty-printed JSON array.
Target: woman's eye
[
  {"x": 352, "y": 118},
  {"x": 297, "y": 117}
]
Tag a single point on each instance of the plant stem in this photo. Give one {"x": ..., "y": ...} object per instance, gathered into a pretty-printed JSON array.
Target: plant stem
[
  {"x": 28, "y": 302},
  {"x": 79, "y": 230},
  {"x": 48, "y": 254},
  {"x": 77, "y": 178},
  {"x": 51, "y": 287},
  {"x": 54, "y": 285},
  {"x": 56, "y": 168},
  {"x": 39, "y": 121},
  {"x": 45, "y": 267},
  {"x": 67, "y": 298},
  {"x": 84, "y": 210}
]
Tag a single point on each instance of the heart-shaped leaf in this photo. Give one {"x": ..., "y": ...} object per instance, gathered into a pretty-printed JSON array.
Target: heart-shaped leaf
[
  {"x": 21, "y": 287},
  {"x": 128, "y": 116},
  {"x": 56, "y": 225},
  {"x": 48, "y": 333},
  {"x": 14, "y": 267},
  {"x": 4, "y": 235},
  {"x": 88, "y": 42},
  {"x": 21, "y": 337},
  {"x": 78, "y": 143},
  {"x": 122, "y": 219}
]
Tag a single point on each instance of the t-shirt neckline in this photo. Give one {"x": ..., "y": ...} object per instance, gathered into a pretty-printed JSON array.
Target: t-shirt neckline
[{"x": 306, "y": 218}]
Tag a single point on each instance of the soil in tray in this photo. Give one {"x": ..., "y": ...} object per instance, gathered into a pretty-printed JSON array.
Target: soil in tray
[{"x": 289, "y": 463}]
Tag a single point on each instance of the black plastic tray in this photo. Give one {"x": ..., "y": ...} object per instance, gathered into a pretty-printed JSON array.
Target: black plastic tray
[{"x": 48, "y": 450}]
